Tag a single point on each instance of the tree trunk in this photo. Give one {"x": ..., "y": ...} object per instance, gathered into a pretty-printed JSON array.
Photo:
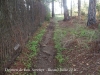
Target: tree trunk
[
  {"x": 53, "y": 15},
  {"x": 79, "y": 9},
  {"x": 91, "y": 13},
  {"x": 71, "y": 8},
  {"x": 66, "y": 13}
]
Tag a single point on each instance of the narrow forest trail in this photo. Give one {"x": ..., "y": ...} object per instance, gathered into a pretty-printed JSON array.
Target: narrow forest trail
[
  {"x": 69, "y": 48},
  {"x": 46, "y": 54},
  {"x": 43, "y": 61}
]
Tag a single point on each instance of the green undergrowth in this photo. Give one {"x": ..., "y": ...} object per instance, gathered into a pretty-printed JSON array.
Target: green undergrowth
[
  {"x": 79, "y": 31},
  {"x": 33, "y": 44},
  {"x": 84, "y": 32},
  {"x": 31, "y": 52},
  {"x": 59, "y": 17},
  {"x": 59, "y": 34},
  {"x": 77, "y": 37}
]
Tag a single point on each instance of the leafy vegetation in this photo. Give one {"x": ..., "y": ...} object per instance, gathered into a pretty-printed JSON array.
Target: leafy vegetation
[
  {"x": 98, "y": 9},
  {"x": 59, "y": 17},
  {"x": 83, "y": 32},
  {"x": 47, "y": 17},
  {"x": 33, "y": 45},
  {"x": 78, "y": 31},
  {"x": 59, "y": 34}
]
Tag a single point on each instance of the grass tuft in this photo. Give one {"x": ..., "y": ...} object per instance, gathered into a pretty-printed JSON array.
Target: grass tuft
[{"x": 59, "y": 34}]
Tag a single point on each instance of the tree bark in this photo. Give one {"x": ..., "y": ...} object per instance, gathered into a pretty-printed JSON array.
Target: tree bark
[
  {"x": 66, "y": 13},
  {"x": 79, "y": 9},
  {"x": 53, "y": 15},
  {"x": 91, "y": 13},
  {"x": 71, "y": 8}
]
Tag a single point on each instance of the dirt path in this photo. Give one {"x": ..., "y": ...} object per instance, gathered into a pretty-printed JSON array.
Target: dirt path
[{"x": 47, "y": 52}]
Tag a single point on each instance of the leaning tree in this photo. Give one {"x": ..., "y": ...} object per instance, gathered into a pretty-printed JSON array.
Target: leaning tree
[{"x": 91, "y": 13}]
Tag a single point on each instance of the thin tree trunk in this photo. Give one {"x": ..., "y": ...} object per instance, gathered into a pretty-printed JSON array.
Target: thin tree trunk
[
  {"x": 79, "y": 9},
  {"x": 53, "y": 15},
  {"x": 71, "y": 8},
  {"x": 92, "y": 12}
]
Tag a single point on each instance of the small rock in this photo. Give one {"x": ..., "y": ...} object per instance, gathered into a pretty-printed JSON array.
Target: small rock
[
  {"x": 82, "y": 61},
  {"x": 81, "y": 71},
  {"x": 98, "y": 63},
  {"x": 87, "y": 64},
  {"x": 74, "y": 65},
  {"x": 44, "y": 45}
]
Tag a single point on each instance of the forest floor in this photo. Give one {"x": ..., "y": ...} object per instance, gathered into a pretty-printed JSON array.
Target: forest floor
[
  {"x": 66, "y": 48},
  {"x": 82, "y": 47}
]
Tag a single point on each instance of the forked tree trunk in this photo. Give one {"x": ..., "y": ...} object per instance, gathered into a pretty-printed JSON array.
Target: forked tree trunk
[
  {"x": 66, "y": 13},
  {"x": 71, "y": 9},
  {"x": 91, "y": 13}
]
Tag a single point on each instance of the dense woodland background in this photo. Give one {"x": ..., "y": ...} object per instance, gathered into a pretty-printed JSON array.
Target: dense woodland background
[{"x": 19, "y": 19}]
